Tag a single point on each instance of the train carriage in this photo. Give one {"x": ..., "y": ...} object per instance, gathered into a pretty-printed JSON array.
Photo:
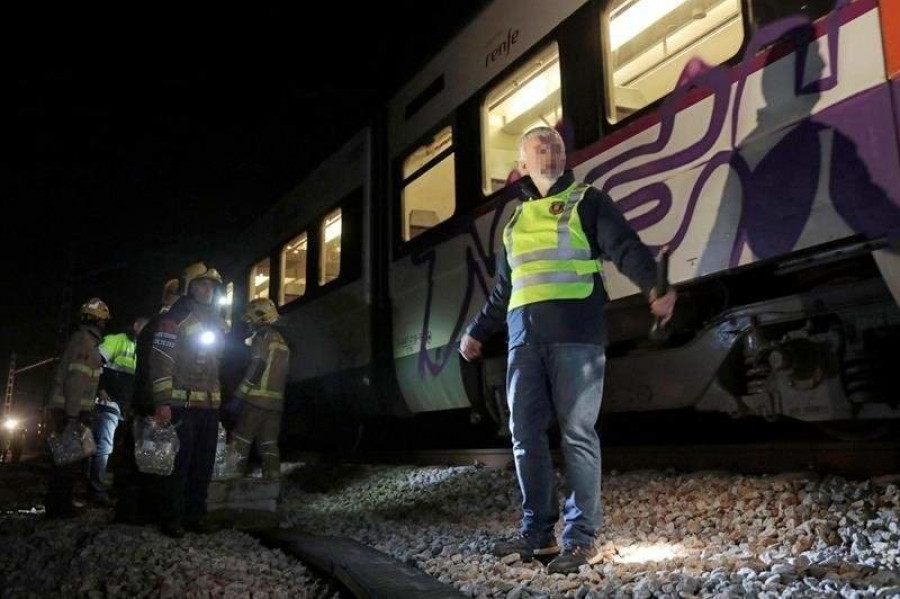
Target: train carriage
[{"x": 757, "y": 140}]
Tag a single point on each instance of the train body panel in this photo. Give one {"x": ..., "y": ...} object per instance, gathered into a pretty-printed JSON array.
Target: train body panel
[
  {"x": 780, "y": 152},
  {"x": 773, "y": 177},
  {"x": 434, "y": 296},
  {"x": 752, "y": 145},
  {"x": 325, "y": 299},
  {"x": 502, "y": 33}
]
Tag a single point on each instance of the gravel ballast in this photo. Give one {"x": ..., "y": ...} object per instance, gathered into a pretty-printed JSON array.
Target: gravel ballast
[
  {"x": 89, "y": 558},
  {"x": 664, "y": 534}
]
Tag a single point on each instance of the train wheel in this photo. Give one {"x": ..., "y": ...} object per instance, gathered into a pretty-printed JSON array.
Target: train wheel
[{"x": 498, "y": 409}]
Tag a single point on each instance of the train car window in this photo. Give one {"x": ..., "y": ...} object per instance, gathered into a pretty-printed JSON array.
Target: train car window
[
  {"x": 763, "y": 12},
  {"x": 259, "y": 279},
  {"x": 226, "y": 303},
  {"x": 428, "y": 190},
  {"x": 293, "y": 269},
  {"x": 529, "y": 97},
  {"x": 647, "y": 44},
  {"x": 330, "y": 249}
]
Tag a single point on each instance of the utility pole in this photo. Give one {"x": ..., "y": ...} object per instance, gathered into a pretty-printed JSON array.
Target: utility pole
[
  {"x": 11, "y": 380},
  {"x": 10, "y": 385}
]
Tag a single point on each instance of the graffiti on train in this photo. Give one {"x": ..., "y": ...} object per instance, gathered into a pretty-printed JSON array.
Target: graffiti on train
[
  {"x": 776, "y": 194},
  {"x": 775, "y": 197}
]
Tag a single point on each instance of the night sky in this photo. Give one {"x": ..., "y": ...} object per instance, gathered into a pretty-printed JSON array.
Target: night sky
[{"x": 138, "y": 140}]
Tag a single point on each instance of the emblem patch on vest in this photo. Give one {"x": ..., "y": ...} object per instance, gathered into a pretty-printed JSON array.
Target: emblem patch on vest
[{"x": 557, "y": 208}]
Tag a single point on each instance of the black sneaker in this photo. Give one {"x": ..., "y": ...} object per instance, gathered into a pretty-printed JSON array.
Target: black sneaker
[
  {"x": 573, "y": 557},
  {"x": 528, "y": 547}
]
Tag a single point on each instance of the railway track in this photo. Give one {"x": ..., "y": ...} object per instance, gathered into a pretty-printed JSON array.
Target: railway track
[{"x": 849, "y": 459}]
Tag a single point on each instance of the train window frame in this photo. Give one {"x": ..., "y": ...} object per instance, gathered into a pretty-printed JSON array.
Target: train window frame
[
  {"x": 466, "y": 122},
  {"x": 752, "y": 7},
  {"x": 322, "y": 239},
  {"x": 226, "y": 303},
  {"x": 401, "y": 182},
  {"x": 351, "y": 206},
  {"x": 282, "y": 250},
  {"x": 507, "y": 77},
  {"x": 608, "y": 104},
  {"x": 251, "y": 287},
  {"x": 489, "y": 200}
]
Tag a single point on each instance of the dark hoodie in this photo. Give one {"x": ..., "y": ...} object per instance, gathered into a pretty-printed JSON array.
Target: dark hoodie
[{"x": 569, "y": 321}]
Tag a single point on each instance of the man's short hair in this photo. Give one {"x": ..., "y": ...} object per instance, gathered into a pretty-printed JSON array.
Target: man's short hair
[{"x": 541, "y": 133}]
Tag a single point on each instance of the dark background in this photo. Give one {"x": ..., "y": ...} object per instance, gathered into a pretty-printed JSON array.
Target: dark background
[{"x": 136, "y": 141}]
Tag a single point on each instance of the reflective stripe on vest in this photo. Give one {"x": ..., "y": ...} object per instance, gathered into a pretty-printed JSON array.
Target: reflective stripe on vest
[
  {"x": 86, "y": 404},
  {"x": 263, "y": 389},
  {"x": 548, "y": 250},
  {"x": 92, "y": 373},
  {"x": 162, "y": 385},
  {"x": 119, "y": 353}
]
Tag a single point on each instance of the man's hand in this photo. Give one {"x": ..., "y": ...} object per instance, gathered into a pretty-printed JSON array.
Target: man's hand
[
  {"x": 163, "y": 414},
  {"x": 470, "y": 348},
  {"x": 662, "y": 307}
]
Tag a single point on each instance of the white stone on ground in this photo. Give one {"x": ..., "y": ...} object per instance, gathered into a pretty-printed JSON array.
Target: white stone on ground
[
  {"x": 88, "y": 558},
  {"x": 664, "y": 534}
]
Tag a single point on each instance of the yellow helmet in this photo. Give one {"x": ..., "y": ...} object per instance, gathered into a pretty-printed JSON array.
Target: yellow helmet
[
  {"x": 171, "y": 292},
  {"x": 196, "y": 271},
  {"x": 95, "y": 308},
  {"x": 261, "y": 311}
]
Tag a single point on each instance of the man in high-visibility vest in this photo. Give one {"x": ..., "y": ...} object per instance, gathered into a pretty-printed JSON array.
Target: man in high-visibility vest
[
  {"x": 261, "y": 392},
  {"x": 550, "y": 293},
  {"x": 117, "y": 380},
  {"x": 72, "y": 395}
]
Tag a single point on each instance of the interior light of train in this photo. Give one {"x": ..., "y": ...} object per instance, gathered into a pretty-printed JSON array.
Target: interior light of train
[
  {"x": 333, "y": 229},
  {"x": 640, "y": 15}
]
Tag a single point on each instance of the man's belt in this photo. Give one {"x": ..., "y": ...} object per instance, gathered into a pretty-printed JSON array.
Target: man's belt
[{"x": 191, "y": 398}]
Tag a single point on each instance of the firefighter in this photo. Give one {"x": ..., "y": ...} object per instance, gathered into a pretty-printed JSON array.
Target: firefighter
[
  {"x": 184, "y": 374},
  {"x": 138, "y": 493},
  {"x": 72, "y": 395},
  {"x": 261, "y": 392}
]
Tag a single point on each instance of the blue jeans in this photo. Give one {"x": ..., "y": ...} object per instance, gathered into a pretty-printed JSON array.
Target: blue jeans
[
  {"x": 565, "y": 379},
  {"x": 106, "y": 419}
]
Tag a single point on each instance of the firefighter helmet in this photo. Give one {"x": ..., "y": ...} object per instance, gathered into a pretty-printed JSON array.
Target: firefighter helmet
[
  {"x": 197, "y": 271},
  {"x": 261, "y": 311},
  {"x": 95, "y": 308}
]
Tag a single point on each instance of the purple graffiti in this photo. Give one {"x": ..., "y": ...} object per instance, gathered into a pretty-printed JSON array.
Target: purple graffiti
[
  {"x": 485, "y": 255},
  {"x": 776, "y": 194},
  {"x": 717, "y": 79},
  {"x": 698, "y": 75},
  {"x": 658, "y": 194},
  {"x": 779, "y": 192}
]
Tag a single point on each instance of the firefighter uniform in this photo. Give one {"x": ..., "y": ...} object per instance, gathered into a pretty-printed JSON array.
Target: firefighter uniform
[
  {"x": 262, "y": 390},
  {"x": 184, "y": 374},
  {"x": 72, "y": 394},
  {"x": 138, "y": 493}
]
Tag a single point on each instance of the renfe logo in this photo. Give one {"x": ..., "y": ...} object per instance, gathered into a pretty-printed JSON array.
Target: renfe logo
[{"x": 502, "y": 49}]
